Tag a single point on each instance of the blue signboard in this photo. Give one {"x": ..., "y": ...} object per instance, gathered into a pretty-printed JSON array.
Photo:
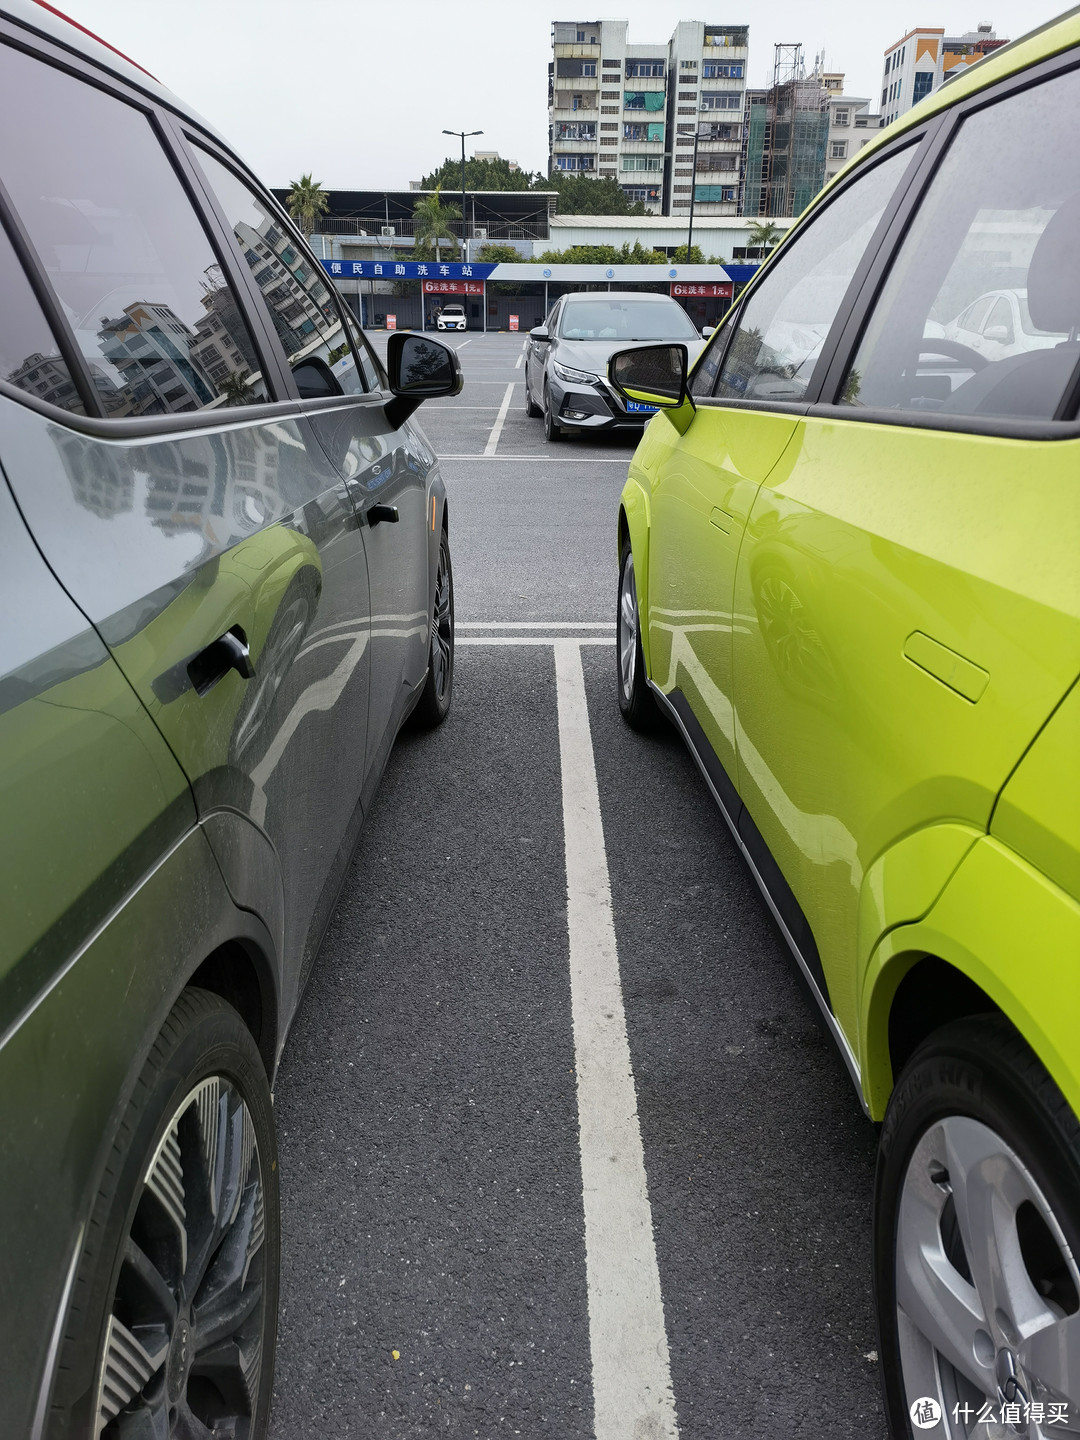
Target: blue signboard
[{"x": 406, "y": 270}]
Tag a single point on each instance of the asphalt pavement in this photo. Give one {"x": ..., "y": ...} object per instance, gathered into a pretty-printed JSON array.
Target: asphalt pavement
[{"x": 446, "y": 1269}]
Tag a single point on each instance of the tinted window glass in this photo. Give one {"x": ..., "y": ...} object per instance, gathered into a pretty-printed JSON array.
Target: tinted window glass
[
  {"x": 302, "y": 310},
  {"x": 123, "y": 247},
  {"x": 1001, "y": 214},
  {"x": 624, "y": 318},
  {"x": 369, "y": 365},
  {"x": 785, "y": 320},
  {"x": 29, "y": 357}
]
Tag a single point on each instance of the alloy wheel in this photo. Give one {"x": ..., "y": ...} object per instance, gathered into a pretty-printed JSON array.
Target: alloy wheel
[
  {"x": 442, "y": 629},
  {"x": 628, "y": 628},
  {"x": 987, "y": 1290},
  {"x": 183, "y": 1340}
]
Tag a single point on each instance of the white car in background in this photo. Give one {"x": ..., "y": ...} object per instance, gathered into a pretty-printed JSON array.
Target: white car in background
[
  {"x": 452, "y": 317},
  {"x": 998, "y": 325}
]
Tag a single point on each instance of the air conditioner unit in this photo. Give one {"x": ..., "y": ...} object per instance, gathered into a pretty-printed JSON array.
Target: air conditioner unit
[
  {"x": 387, "y": 230},
  {"x": 479, "y": 232}
]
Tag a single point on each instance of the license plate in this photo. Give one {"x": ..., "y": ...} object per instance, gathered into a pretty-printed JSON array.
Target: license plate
[{"x": 634, "y": 407}]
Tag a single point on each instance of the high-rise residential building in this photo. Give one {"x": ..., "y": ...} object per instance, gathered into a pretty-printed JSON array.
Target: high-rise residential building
[
  {"x": 852, "y": 124},
  {"x": 924, "y": 58},
  {"x": 632, "y": 113}
]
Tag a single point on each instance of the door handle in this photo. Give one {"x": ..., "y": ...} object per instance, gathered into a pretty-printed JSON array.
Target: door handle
[
  {"x": 376, "y": 514},
  {"x": 228, "y": 652}
]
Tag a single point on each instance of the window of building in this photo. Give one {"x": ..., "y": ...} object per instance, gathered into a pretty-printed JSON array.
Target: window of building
[
  {"x": 302, "y": 311},
  {"x": 687, "y": 94},
  {"x": 575, "y": 130},
  {"x": 687, "y": 64},
  {"x": 717, "y": 162},
  {"x": 609, "y": 109},
  {"x": 588, "y": 67},
  {"x": 642, "y": 162},
  {"x": 30, "y": 358},
  {"x": 123, "y": 248},
  {"x": 612, "y": 64},
  {"x": 713, "y": 194},
  {"x": 581, "y": 37},
  {"x": 609, "y": 125},
  {"x": 643, "y": 100},
  {"x": 838, "y": 150},
  {"x": 841, "y": 119},
  {"x": 687, "y": 110},
  {"x": 609, "y": 140},
  {"x": 651, "y": 130},
  {"x": 644, "y": 69},
  {"x": 722, "y": 70},
  {"x": 924, "y": 83},
  {"x": 1005, "y": 174},
  {"x": 725, "y": 100},
  {"x": 789, "y": 313}
]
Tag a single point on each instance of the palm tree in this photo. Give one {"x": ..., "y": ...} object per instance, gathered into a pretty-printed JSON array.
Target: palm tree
[
  {"x": 763, "y": 235},
  {"x": 307, "y": 200},
  {"x": 432, "y": 219}
]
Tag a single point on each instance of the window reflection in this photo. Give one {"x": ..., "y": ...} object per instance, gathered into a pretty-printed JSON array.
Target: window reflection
[{"x": 123, "y": 248}]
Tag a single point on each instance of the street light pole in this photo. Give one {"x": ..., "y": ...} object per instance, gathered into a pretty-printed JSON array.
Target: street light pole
[
  {"x": 463, "y": 133},
  {"x": 693, "y": 192}
]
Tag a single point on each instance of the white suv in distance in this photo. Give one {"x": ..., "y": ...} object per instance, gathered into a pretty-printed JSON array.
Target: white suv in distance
[{"x": 452, "y": 317}]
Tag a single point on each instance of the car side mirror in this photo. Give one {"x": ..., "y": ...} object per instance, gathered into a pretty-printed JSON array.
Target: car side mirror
[
  {"x": 419, "y": 368},
  {"x": 540, "y": 332},
  {"x": 315, "y": 380},
  {"x": 1000, "y": 333},
  {"x": 651, "y": 375},
  {"x": 706, "y": 331}
]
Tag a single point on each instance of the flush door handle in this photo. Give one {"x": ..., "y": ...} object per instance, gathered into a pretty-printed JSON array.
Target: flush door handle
[
  {"x": 228, "y": 652},
  {"x": 377, "y": 514}
]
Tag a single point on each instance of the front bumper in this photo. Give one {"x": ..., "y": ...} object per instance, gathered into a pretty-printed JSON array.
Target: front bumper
[
  {"x": 451, "y": 324},
  {"x": 580, "y": 406}
]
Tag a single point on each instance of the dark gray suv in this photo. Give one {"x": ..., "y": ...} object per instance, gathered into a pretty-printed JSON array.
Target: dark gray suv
[{"x": 226, "y": 583}]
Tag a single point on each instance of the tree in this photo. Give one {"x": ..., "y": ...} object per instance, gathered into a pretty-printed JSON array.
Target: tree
[
  {"x": 763, "y": 235},
  {"x": 492, "y": 253},
  {"x": 432, "y": 220},
  {"x": 583, "y": 195},
  {"x": 479, "y": 175},
  {"x": 695, "y": 256},
  {"x": 307, "y": 200},
  {"x": 626, "y": 254}
]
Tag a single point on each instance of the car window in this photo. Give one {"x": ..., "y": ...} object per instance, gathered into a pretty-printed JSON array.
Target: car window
[
  {"x": 999, "y": 323},
  {"x": 787, "y": 316},
  {"x": 374, "y": 379},
  {"x": 1001, "y": 214},
  {"x": 974, "y": 315},
  {"x": 30, "y": 358},
  {"x": 624, "y": 317},
  {"x": 123, "y": 247},
  {"x": 302, "y": 311}
]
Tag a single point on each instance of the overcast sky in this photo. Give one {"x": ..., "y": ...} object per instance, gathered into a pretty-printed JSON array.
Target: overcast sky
[{"x": 358, "y": 91}]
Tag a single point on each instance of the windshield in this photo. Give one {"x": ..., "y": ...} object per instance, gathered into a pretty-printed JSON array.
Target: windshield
[{"x": 622, "y": 319}]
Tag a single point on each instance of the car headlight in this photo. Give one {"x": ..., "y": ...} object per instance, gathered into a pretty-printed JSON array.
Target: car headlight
[{"x": 567, "y": 372}]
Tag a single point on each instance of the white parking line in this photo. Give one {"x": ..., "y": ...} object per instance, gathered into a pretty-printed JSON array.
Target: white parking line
[
  {"x": 631, "y": 1372},
  {"x": 500, "y": 421},
  {"x": 517, "y": 362},
  {"x": 530, "y": 640},
  {"x": 535, "y": 625}
]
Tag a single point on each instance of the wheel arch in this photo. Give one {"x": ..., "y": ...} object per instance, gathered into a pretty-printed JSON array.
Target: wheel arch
[
  {"x": 242, "y": 975},
  {"x": 633, "y": 525}
]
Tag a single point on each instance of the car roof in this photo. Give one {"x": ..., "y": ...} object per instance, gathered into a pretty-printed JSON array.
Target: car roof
[
  {"x": 52, "y": 24},
  {"x": 583, "y": 295}
]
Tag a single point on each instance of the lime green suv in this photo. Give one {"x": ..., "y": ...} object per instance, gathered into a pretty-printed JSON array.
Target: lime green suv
[{"x": 850, "y": 575}]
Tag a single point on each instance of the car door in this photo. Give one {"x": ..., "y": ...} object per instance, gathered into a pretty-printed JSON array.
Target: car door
[
  {"x": 389, "y": 471},
  {"x": 536, "y": 355},
  {"x": 196, "y": 522},
  {"x": 749, "y": 390},
  {"x": 906, "y": 612}
]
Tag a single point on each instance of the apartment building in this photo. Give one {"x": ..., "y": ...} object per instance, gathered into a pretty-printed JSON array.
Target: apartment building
[
  {"x": 632, "y": 113},
  {"x": 923, "y": 59},
  {"x": 852, "y": 124}
]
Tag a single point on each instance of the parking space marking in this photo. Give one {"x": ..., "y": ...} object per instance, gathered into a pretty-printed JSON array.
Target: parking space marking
[
  {"x": 508, "y": 459},
  {"x": 517, "y": 362},
  {"x": 535, "y": 625},
  {"x": 631, "y": 1372},
  {"x": 500, "y": 421},
  {"x": 531, "y": 640}
]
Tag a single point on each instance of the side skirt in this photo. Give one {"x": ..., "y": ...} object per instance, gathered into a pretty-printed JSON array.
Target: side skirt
[{"x": 785, "y": 910}]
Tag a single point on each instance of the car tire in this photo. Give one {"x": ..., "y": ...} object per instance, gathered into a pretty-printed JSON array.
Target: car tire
[
  {"x": 636, "y": 700},
  {"x": 532, "y": 410},
  {"x": 434, "y": 704},
  {"x": 977, "y": 1201},
  {"x": 552, "y": 429},
  {"x": 182, "y": 1247}
]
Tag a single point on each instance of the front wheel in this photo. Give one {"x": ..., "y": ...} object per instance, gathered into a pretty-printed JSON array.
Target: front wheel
[
  {"x": 434, "y": 704},
  {"x": 977, "y": 1240},
  {"x": 635, "y": 698},
  {"x": 552, "y": 429},
  {"x": 173, "y": 1317}
]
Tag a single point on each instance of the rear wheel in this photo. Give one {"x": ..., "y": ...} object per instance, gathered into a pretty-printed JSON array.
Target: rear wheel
[
  {"x": 173, "y": 1315},
  {"x": 976, "y": 1241},
  {"x": 532, "y": 410},
  {"x": 434, "y": 704},
  {"x": 636, "y": 700}
]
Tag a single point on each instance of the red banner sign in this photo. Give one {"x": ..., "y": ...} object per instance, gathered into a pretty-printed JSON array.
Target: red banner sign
[
  {"x": 513, "y": 322},
  {"x": 706, "y": 289},
  {"x": 391, "y": 322},
  {"x": 453, "y": 287}
]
